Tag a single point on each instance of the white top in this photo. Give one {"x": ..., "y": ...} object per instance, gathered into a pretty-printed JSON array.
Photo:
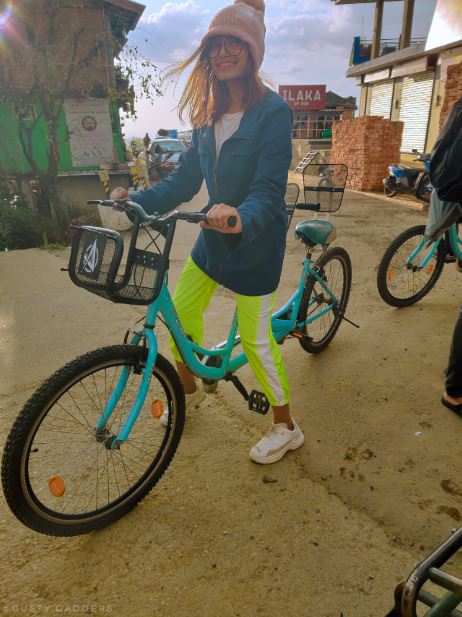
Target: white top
[{"x": 226, "y": 127}]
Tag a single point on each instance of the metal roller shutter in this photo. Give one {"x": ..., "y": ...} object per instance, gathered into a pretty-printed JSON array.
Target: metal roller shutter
[
  {"x": 382, "y": 95},
  {"x": 416, "y": 99}
]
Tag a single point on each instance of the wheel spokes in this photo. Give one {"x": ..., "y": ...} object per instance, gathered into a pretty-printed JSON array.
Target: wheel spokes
[
  {"x": 73, "y": 473},
  {"x": 334, "y": 277},
  {"x": 406, "y": 280}
]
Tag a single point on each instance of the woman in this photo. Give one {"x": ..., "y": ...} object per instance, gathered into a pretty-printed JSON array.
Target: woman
[{"x": 241, "y": 145}]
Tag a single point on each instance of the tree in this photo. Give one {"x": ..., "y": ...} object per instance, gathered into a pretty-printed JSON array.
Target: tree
[
  {"x": 137, "y": 78},
  {"x": 54, "y": 50}
]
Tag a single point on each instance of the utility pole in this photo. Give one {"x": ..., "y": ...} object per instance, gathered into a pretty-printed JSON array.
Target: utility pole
[
  {"x": 377, "y": 36},
  {"x": 406, "y": 30}
]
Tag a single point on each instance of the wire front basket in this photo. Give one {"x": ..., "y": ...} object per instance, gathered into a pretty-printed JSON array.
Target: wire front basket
[
  {"x": 96, "y": 264},
  {"x": 324, "y": 185}
]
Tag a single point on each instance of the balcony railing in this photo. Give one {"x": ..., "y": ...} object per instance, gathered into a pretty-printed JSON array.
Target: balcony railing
[{"x": 362, "y": 48}]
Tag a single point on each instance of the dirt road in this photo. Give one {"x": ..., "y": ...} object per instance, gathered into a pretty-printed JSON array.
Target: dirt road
[{"x": 345, "y": 517}]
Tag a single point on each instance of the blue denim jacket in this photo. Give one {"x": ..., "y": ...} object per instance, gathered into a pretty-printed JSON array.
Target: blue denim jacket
[{"x": 251, "y": 175}]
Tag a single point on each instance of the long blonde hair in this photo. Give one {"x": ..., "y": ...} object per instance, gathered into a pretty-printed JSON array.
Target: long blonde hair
[{"x": 205, "y": 99}]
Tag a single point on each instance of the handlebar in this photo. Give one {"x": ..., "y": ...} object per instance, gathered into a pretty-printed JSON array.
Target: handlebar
[{"x": 131, "y": 206}]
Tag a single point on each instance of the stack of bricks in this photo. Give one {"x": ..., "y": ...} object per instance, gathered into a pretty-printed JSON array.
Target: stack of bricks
[
  {"x": 453, "y": 90},
  {"x": 367, "y": 145}
]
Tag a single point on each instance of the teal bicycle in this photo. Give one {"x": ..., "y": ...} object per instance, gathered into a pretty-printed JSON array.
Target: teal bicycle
[
  {"x": 428, "y": 578},
  {"x": 409, "y": 269},
  {"x": 88, "y": 445}
]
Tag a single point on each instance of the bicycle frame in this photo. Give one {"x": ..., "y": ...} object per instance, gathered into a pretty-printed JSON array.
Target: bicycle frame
[
  {"x": 454, "y": 241},
  {"x": 409, "y": 593},
  {"x": 163, "y": 305}
]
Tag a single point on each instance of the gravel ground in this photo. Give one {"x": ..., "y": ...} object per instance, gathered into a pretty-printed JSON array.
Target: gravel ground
[{"x": 330, "y": 529}]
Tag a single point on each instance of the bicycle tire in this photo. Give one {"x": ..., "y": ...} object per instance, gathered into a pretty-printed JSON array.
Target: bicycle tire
[
  {"x": 389, "y": 192},
  {"x": 386, "y": 270},
  {"x": 54, "y": 394},
  {"x": 310, "y": 342}
]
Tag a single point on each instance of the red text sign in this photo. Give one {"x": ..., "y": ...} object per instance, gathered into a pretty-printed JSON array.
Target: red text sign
[{"x": 304, "y": 98}]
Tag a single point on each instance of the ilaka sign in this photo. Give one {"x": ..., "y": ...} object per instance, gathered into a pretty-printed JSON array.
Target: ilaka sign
[{"x": 304, "y": 98}]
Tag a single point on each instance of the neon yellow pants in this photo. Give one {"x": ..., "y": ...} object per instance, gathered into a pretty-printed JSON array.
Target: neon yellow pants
[{"x": 191, "y": 298}]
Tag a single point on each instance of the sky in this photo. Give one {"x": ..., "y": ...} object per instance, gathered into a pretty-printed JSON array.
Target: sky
[{"x": 307, "y": 42}]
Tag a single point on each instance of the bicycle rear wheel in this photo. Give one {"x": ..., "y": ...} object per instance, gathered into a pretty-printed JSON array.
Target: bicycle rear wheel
[
  {"x": 401, "y": 284},
  {"x": 334, "y": 267},
  {"x": 59, "y": 476}
]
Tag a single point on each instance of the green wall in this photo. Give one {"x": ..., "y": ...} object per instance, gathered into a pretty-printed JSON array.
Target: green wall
[{"x": 12, "y": 159}]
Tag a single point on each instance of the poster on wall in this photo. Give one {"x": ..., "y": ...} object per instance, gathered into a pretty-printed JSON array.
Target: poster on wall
[
  {"x": 446, "y": 25},
  {"x": 90, "y": 132},
  {"x": 304, "y": 98}
]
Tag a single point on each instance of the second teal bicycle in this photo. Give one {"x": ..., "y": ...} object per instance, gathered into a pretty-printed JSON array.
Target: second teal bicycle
[{"x": 410, "y": 268}]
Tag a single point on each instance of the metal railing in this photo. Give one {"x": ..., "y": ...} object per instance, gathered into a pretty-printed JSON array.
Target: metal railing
[
  {"x": 362, "y": 48},
  {"x": 314, "y": 127}
]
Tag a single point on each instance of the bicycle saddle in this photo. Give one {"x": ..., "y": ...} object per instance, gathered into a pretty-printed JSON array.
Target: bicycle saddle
[{"x": 315, "y": 231}]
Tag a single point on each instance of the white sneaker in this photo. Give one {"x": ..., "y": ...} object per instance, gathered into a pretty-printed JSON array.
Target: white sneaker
[
  {"x": 276, "y": 443},
  {"x": 192, "y": 400}
]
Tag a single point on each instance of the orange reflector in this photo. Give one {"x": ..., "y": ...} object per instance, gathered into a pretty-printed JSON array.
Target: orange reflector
[
  {"x": 390, "y": 274},
  {"x": 56, "y": 486},
  {"x": 430, "y": 268},
  {"x": 157, "y": 409}
]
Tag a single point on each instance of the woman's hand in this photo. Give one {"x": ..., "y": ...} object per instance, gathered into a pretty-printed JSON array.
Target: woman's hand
[
  {"x": 217, "y": 219},
  {"x": 119, "y": 193}
]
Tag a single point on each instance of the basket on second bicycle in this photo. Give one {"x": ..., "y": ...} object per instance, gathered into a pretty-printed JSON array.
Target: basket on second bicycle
[{"x": 89, "y": 444}]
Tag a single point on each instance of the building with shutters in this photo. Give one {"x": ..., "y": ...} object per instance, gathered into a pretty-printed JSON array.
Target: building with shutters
[{"x": 405, "y": 79}]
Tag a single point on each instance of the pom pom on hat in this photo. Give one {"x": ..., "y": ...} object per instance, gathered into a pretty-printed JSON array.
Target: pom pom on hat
[
  {"x": 258, "y": 5},
  {"x": 245, "y": 20}
]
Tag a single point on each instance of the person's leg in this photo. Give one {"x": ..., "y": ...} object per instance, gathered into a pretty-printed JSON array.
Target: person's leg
[
  {"x": 192, "y": 296},
  {"x": 453, "y": 384},
  {"x": 265, "y": 359},
  {"x": 254, "y": 318}
]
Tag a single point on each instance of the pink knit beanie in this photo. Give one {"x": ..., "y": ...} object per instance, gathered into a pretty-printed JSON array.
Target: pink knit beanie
[{"x": 245, "y": 20}]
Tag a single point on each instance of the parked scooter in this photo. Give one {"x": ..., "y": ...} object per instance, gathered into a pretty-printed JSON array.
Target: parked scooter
[{"x": 410, "y": 179}]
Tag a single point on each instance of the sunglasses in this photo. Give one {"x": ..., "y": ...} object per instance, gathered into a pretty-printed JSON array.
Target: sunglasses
[{"x": 233, "y": 46}]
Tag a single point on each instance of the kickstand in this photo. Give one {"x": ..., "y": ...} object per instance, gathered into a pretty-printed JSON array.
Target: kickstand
[{"x": 350, "y": 322}]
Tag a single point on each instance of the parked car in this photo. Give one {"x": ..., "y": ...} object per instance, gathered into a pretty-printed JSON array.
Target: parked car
[{"x": 164, "y": 157}]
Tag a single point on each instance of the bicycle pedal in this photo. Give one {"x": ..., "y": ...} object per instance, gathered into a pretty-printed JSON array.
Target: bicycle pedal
[{"x": 258, "y": 402}]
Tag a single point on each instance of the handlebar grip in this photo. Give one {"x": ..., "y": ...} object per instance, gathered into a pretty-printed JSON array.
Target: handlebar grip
[
  {"x": 101, "y": 202},
  {"x": 232, "y": 220}
]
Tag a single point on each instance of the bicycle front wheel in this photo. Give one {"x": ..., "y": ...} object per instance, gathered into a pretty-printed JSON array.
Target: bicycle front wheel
[
  {"x": 334, "y": 267},
  {"x": 401, "y": 284},
  {"x": 60, "y": 476}
]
